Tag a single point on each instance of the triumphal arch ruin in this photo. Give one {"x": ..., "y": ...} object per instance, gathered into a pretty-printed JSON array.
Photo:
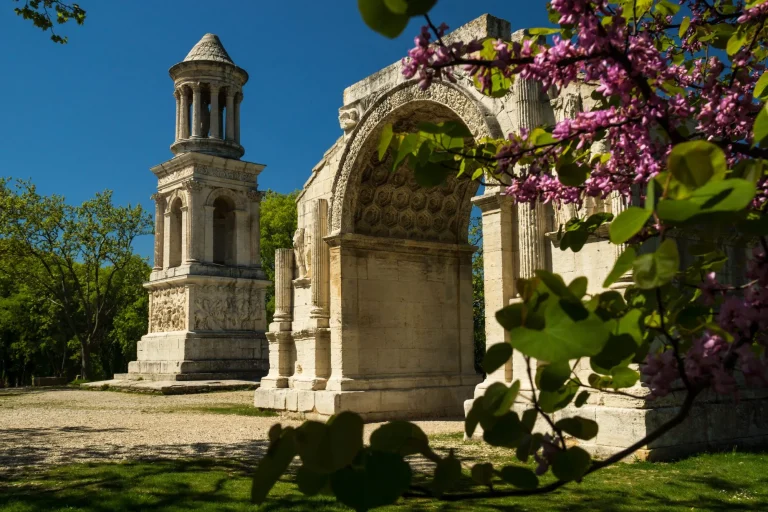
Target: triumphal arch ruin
[
  {"x": 206, "y": 291},
  {"x": 374, "y": 301}
]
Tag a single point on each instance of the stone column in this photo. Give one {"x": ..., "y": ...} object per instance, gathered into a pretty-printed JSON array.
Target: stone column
[
  {"x": 242, "y": 238},
  {"x": 238, "y": 100},
  {"x": 166, "y": 239},
  {"x": 531, "y": 220},
  {"x": 230, "y": 114},
  {"x": 215, "y": 117},
  {"x": 208, "y": 244},
  {"x": 184, "y": 113},
  {"x": 499, "y": 258},
  {"x": 283, "y": 283},
  {"x": 194, "y": 242},
  {"x": 159, "y": 230},
  {"x": 279, "y": 335},
  {"x": 255, "y": 196},
  {"x": 177, "y": 95},
  {"x": 197, "y": 110},
  {"x": 320, "y": 261}
]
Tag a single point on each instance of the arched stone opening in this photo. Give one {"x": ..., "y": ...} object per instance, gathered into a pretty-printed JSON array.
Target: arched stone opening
[
  {"x": 176, "y": 234},
  {"x": 224, "y": 231},
  {"x": 401, "y": 291}
]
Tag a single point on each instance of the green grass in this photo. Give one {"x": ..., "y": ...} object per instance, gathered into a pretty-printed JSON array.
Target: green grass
[
  {"x": 239, "y": 410},
  {"x": 723, "y": 482}
]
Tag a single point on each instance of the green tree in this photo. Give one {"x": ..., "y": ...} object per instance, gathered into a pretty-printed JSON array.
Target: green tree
[
  {"x": 478, "y": 292},
  {"x": 44, "y": 14},
  {"x": 279, "y": 220},
  {"x": 82, "y": 252}
]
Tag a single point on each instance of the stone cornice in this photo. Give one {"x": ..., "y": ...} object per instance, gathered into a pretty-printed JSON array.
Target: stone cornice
[
  {"x": 201, "y": 160},
  {"x": 491, "y": 201},
  {"x": 355, "y": 241}
]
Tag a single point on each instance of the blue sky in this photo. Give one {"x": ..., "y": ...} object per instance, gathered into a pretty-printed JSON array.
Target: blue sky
[{"x": 98, "y": 112}]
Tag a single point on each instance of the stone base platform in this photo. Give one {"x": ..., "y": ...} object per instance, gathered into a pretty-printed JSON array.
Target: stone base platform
[
  {"x": 714, "y": 424},
  {"x": 171, "y": 387},
  {"x": 372, "y": 405}
]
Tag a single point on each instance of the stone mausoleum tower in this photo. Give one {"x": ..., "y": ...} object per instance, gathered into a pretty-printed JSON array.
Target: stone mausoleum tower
[{"x": 206, "y": 311}]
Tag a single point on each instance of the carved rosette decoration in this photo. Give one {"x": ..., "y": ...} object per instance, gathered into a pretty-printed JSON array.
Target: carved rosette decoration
[
  {"x": 365, "y": 138},
  {"x": 394, "y": 205},
  {"x": 168, "y": 310},
  {"x": 226, "y": 307}
]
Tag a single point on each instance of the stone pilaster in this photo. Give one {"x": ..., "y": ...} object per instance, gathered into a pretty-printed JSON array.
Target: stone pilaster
[
  {"x": 320, "y": 261},
  {"x": 208, "y": 252},
  {"x": 195, "y": 241},
  {"x": 166, "y": 239},
  {"x": 159, "y": 230},
  {"x": 255, "y": 203},
  {"x": 197, "y": 110},
  {"x": 242, "y": 238},
  {"x": 499, "y": 256},
  {"x": 215, "y": 117},
  {"x": 230, "y": 114}
]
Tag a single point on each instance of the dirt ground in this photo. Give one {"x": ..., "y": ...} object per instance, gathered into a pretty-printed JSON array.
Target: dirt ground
[{"x": 59, "y": 426}]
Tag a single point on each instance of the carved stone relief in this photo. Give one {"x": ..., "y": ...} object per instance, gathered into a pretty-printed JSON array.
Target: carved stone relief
[
  {"x": 226, "y": 307},
  {"x": 440, "y": 95},
  {"x": 168, "y": 310},
  {"x": 302, "y": 252}
]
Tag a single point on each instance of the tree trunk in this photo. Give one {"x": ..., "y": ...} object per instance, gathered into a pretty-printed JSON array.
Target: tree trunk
[{"x": 85, "y": 357}]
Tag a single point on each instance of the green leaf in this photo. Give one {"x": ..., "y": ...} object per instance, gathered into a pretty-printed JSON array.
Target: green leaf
[
  {"x": 400, "y": 437},
  {"x": 761, "y": 86},
  {"x": 731, "y": 195},
  {"x": 313, "y": 446},
  {"x": 658, "y": 268},
  {"x": 379, "y": 480},
  {"x": 622, "y": 266},
  {"x": 552, "y": 376},
  {"x": 496, "y": 356},
  {"x": 551, "y": 401},
  {"x": 542, "y": 31},
  {"x": 624, "y": 377},
  {"x": 578, "y": 427},
  {"x": 684, "y": 27},
  {"x": 581, "y": 399},
  {"x": 522, "y": 478},
  {"x": 563, "y": 338},
  {"x": 447, "y": 475},
  {"x": 430, "y": 174},
  {"x": 483, "y": 473},
  {"x": 511, "y": 316},
  {"x": 572, "y": 174},
  {"x": 737, "y": 41},
  {"x": 628, "y": 224},
  {"x": 272, "y": 466},
  {"x": 696, "y": 163},
  {"x": 386, "y": 139},
  {"x": 571, "y": 464},
  {"x": 555, "y": 283},
  {"x": 476, "y": 413},
  {"x": 504, "y": 431},
  {"x": 760, "y": 128},
  {"x": 499, "y": 398},
  {"x": 410, "y": 7},
  {"x": 309, "y": 482},
  {"x": 667, "y": 8},
  {"x": 378, "y": 16},
  {"x": 578, "y": 286}
]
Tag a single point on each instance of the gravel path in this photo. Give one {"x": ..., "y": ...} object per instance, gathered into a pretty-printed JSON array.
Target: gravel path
[{"x": 66, "y": 425}]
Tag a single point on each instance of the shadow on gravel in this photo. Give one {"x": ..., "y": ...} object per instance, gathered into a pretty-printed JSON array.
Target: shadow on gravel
[{"x": 29, "y": 447}]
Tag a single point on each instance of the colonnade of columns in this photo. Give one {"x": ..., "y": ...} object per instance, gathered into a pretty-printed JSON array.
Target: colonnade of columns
[
  {"x": 201, "y": 102},
  {"x": 195, "y": 231}
]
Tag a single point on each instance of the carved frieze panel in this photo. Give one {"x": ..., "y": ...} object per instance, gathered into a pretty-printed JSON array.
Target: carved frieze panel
[
  {"x": 168, "y": 310},
  {"x": 226, "y": 307}
]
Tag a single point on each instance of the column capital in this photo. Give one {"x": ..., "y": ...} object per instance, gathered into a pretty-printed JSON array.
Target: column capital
[
  {"x": 157, "y": 196},
  {"x": 239, "y": 96},
  {"x": 196, "y": 86},
  {"x": 231, "y": 92},
  {"x": 492, "y": 201},
  {"x": 177, "y": 93},
  {"x": 214, "y": 87},
  {"x": 255, "y": 195},
  {"x": 193, "y": 185}
]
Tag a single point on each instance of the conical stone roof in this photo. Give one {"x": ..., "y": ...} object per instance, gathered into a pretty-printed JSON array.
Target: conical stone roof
[{"x": 209, "y": 48}]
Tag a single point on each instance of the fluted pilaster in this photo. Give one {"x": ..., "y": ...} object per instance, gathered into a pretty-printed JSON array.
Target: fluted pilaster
[
  {"x": 320, "y": 259},
  {"x": 197, "y": 110},
  {"x": 159, "y": 230}
]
